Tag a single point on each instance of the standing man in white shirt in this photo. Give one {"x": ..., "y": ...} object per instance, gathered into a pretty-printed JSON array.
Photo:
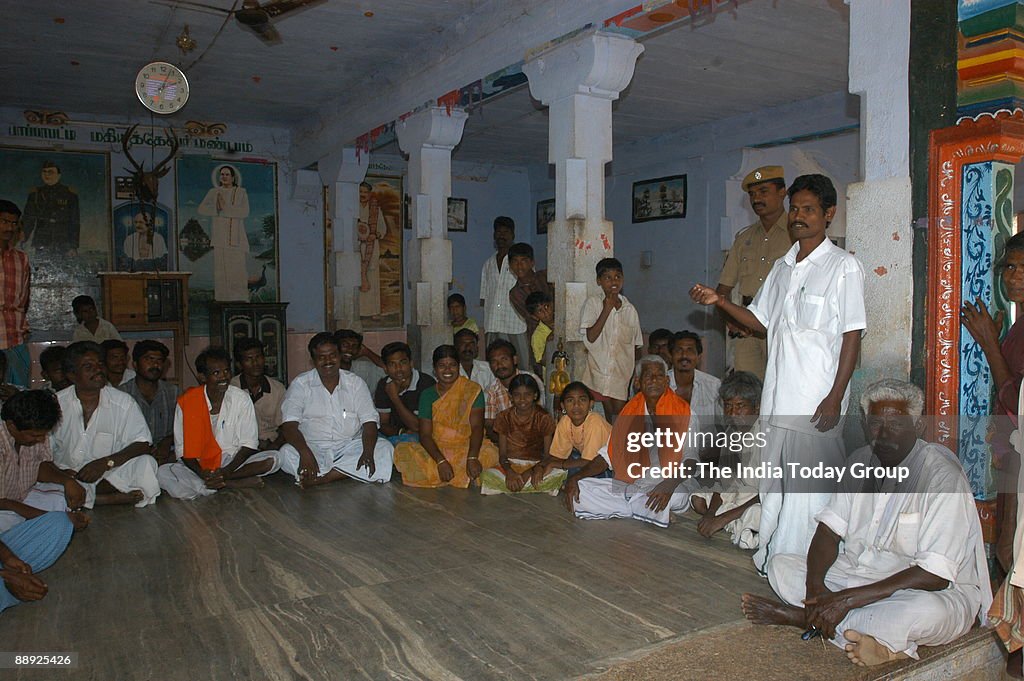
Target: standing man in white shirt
[
  {"x": 496, "y": 279},
  {"x": 102, "y": 436},
  {"x": 812, "y": 308},
  {"x": 330, "y": 424}
]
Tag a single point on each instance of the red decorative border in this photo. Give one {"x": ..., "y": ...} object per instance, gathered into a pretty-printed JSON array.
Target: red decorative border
[{"x": 989, "y": 137}]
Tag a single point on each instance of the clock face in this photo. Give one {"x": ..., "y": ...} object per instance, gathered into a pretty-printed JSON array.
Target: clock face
[{"x": 161, "y": 87}]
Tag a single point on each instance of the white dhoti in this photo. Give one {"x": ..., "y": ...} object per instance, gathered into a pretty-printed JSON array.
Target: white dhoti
[
  {"x": 901, "y": 622},
  {"x": 343, "y": 456},
  {"x": 609, "y": 498},
  {"x": 743, "y": 530},
  {"x": 46, "y": 496},
  {"x": 788, "y": 506},
  {"x": 137, "y": 474},
  {"x": 181, "y": 482}
]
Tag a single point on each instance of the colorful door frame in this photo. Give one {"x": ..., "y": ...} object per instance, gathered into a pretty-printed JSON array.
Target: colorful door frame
[{"x": 970, "y": 207}]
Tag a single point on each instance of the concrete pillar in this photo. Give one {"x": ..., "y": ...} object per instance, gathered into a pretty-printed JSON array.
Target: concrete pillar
[
  {"x": 578, "y": 80},
  {"x": 878, "y": 210},
  {"x": 341, "y": 172},
  {"x": 428, "y": 137}
]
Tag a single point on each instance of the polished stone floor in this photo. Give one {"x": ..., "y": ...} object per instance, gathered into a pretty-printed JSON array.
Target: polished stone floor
[{"x": 355, "y": 581}]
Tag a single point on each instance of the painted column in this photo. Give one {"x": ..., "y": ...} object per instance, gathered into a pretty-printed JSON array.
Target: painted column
[
  {"x": 879, "y": 211},
  {"x": 428, "y": 137},
  {"x": 341, "y": 173},
  {"x": 986, "y": 222},
  {"x": 579, "y": 79}
]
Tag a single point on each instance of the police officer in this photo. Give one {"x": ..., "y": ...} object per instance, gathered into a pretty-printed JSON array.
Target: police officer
[
  {"x": 51, "y": 218},
  {"x": 751, "y": 257}
]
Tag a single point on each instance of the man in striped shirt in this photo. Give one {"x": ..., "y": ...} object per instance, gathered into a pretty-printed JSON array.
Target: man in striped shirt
[{"x": 15, "y": 278}]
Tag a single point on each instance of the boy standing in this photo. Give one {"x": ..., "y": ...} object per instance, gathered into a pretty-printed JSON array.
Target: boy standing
[
  {"x": 457, "y": 315},
  {"x": 812, "y": 308},
  {"x": 520, "y": 260},
  {"x": 611, "y": 334}
]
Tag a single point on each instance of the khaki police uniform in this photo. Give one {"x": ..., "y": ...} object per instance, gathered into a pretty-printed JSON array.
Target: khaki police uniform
[{"x": 750, "y": 259}]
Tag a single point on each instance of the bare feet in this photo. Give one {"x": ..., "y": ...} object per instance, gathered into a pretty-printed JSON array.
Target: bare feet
[
  {"x": 117, "y": 498},
  {"x": 333, "y": 475},
  {"x": 252, "y": 482},
  {"x": 699, "y": 505},
  {"x": 865, "y": 651},
  {"x": 763, "y": 611}
]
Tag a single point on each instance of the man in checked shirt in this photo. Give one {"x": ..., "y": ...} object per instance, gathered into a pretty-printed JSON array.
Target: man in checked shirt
[{"x": 15, "y": 278}]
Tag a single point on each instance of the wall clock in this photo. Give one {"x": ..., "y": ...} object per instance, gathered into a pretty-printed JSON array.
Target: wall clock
[{"x": 161, "y": 87}]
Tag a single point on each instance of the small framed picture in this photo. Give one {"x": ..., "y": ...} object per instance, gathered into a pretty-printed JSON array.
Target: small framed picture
[
  {"x": 458, "y": 213},
  {"x": 663, "y": 198},
  {"x": 545, "y": 214}
]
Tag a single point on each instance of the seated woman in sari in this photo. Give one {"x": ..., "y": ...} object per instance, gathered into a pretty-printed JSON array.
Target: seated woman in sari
[{"x": 452, "y": 450}]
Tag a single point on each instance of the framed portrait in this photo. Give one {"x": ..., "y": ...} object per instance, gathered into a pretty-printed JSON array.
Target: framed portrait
[
  {"x": 226, "y": 233},
  {"x": 379, "y": 242},
  {"x": 663, "y": 198},
  {"x": 545, "y": 214},
  {"x": 65, "y": 201},
  {"x": 458, "y": 213},
  {"x": 141, "y": 239}
]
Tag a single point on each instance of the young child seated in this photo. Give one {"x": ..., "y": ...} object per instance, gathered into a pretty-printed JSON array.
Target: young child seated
[
  {"x": 524, "y": 435},
  {"x": 51, "y": 367},
  {"x": 91, "y": 327},
  {"x": 542, "y": 309},
  {"x": 579, "y": 435},
  {"x": 457, "y": 315},
  {"x": 115, "y": 359}
]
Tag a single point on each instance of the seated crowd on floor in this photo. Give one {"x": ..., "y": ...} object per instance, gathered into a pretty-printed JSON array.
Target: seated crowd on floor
[{"x": 878, "y": 570}]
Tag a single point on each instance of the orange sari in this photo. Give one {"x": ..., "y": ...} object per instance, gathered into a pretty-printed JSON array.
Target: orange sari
[{"x": 451, "y": 433}]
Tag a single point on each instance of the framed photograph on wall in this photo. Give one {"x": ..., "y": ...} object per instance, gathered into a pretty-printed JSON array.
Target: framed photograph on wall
[
  {"x": 65, "y": 201},
  {"x": 458, "y": 214},
  {"x": 141, "y": 238},
  {"x": 379, "y": 241},
  {"x": 226, "y": 232},
  {"x": 663, "y": 198},
  {"x": 545, "y": 214}
]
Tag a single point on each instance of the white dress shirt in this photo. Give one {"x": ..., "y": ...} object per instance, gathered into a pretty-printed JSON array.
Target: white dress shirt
[
  {"x": 116, "y": 423},
  {"x": 329, "y": 419},
  {"x": 235, "y": 426},
  {"x": 499, "y": 315},
  {"x": 806, "y": 307},
  {"x": 482, "y": 374}
]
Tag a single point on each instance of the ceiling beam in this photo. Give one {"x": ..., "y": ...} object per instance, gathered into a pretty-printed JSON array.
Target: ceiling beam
[{"x": 498, "y": 34}]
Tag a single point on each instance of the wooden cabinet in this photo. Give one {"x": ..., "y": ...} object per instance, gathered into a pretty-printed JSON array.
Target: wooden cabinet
[
  {"x": 264, "y": 321},
  {"x": 149, "y": 301}
]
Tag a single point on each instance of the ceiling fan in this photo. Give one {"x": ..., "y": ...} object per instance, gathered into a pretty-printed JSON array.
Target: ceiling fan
[{"x": 251, "y": 15}]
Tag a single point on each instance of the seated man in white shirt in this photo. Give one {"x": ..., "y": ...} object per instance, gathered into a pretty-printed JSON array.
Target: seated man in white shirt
[
  {"x": 102, "y": 436},
  {"x": 330, "y": 424},
  {"x": 638, "y": 490},
  {"x": 734, "y": 505},
  {"x": 467, "y": 342},
  {"x": 893, "y": 564},
  {"x": 215, "y": 435}
]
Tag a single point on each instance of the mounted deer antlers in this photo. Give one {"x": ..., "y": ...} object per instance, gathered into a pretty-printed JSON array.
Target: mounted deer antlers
[{"x": 147, "y": 184}]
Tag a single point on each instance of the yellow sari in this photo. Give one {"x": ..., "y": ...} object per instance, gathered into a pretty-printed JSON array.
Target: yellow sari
[{"x": 451, "y": 433}]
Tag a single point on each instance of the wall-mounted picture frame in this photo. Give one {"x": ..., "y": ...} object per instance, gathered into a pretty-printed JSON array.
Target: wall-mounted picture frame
[
  {"x": 458, "y": 215},
  {"x": 545, "y": 214},
  {"x": 663, "y": 198},
  {"x": 226, "y": 232},
  {"x": 65, "y": 201},
  {"x": 381, "y": 257}
]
